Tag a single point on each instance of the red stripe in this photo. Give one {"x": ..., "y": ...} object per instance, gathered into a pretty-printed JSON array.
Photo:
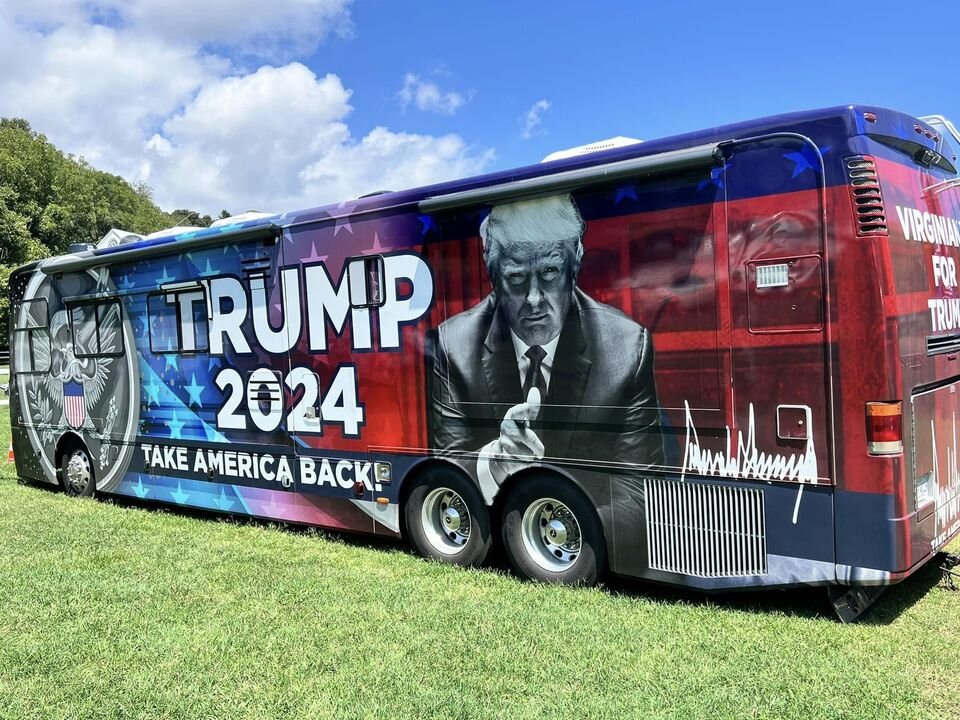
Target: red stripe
[{"x": 75, "y": 410}]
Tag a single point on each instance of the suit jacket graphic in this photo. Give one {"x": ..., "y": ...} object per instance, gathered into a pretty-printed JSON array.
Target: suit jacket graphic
[{"x": 601, "y": 403}]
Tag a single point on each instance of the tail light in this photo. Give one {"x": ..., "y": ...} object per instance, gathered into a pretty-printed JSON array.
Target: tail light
[{"x": 884, "y": 428}]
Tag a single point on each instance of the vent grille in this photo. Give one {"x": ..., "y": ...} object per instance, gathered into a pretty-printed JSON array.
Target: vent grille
[
  {"x": 943, "y": 345},
  {"x": 865, "y": 193},
  {"x": 705, "y": 530}
]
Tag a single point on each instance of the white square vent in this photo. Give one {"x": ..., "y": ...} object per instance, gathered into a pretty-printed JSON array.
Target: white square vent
[{"x": 773, "y": 275}]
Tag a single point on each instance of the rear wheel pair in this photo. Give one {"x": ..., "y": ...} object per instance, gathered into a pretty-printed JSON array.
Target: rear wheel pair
[{"x": 550, "y": 532}]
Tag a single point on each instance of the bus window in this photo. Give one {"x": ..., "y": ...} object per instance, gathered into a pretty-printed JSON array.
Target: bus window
[
  {"x": 178, "y": 321},
  {"x": 366, "y": 282},
  {"x": 96, "y": 328},
  {"x": 109, "y": 330},
  {"x": 31, "y": 337}
]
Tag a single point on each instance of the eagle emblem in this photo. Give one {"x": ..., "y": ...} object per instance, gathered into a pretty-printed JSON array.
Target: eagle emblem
[{"x": 79, "y": 375}]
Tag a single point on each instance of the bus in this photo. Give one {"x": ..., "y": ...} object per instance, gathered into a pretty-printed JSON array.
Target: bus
[{"x": 723, "y": 360}]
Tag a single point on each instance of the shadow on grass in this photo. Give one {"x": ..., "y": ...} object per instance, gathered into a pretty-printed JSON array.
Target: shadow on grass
[{"x": 802, "y": 602}]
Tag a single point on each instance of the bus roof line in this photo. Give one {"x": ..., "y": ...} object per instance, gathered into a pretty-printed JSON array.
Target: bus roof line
[
  {"x": 140, "y": 251},
  {"x": 685, "y": 159}
]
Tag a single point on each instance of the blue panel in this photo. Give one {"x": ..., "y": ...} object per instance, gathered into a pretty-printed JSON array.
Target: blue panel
[
  {"x": 866, "y": 531},
  {"x": 812, "y": 535}
]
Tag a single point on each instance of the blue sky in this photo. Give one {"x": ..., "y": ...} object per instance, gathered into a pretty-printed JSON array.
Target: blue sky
[
  {"x": 642, "y": 69},
  {"x": 290, "y": 103}
]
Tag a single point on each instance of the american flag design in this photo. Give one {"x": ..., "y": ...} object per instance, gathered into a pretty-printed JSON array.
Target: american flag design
[{"x": 74, "y": 404}]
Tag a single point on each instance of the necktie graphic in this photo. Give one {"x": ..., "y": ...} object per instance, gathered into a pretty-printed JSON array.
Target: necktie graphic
[{"x": 535, "y": 378}]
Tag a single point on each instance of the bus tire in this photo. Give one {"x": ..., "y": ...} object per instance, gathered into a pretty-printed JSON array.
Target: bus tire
[
  {"x": 447, "y": 520},
  {"x": 551, "y": 532},
  {"x": 76, "y": 471}
]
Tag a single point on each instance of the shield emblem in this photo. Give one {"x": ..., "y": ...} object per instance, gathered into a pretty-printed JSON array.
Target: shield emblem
[{"x": 74, "y": 404}]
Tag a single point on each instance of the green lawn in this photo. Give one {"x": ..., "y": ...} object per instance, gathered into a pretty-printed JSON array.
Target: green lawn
[{"x": 115, "y": 611}]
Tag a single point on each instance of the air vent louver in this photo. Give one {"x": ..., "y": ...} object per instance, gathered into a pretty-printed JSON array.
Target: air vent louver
[
  {"x": 865, "y": 192},
  {"x": 705, "y": 530},
  {"x": 943, "y": 345}
]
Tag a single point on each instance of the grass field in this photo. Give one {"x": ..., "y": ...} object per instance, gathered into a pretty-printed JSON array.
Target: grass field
[{"x": 109, "y": 610}]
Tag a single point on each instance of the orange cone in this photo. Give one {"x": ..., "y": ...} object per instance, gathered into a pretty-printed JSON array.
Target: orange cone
[{"x": 9, "y": 453}]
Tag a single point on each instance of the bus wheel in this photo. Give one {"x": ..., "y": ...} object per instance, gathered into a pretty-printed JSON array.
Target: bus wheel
[
  {"x": 76, "y": 472},
  {"x": 551, "y": 532},
  {"x": 447, "y": 520}
]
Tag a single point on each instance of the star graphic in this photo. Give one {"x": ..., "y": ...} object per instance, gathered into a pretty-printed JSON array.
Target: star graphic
[
  {"x": 215, "y": 362},
  {"x": 194, "y": 391},
  {"x": 153, "y": 392},
  {"x": 313, "y": 256},
  {"x": 139, "y": 488},
  {"x": 624, "y": 193},
  {"x": 175, "y": 426},
  {"x": 716, "y": 179},
  {"x": 377, "y": 247},
  {"x": 208, "y": 271},
  {"x": 165, "y": 278},
  {"x": 171, "y": 362},
  {"x": 428, "y": 224},
  {"x": 343, "y": 223},
  {"x": 800, "y": 161},
  {"x": 126, "y": 283},
  {"x": 179, "y": 495}
]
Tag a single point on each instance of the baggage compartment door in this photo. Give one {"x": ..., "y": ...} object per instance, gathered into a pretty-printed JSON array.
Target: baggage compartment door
[{"x": 933, "y": 492}]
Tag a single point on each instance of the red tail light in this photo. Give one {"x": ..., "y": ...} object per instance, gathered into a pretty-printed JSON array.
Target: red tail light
[{"x": 884, "y": 428}]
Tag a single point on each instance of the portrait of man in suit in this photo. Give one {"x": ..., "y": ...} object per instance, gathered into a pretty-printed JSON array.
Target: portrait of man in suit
[{"x": 539, "y": 370}]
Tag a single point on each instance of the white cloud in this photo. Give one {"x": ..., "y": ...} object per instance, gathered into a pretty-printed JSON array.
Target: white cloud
[
  {"x": 427, "y": 96},
  {"x": 155, "y": 103},
  {"x": 93, "y": 91},
  {"x": 279, "y": 28},
  {"x": 385, "y": 160},
  {"x": 530, "y": 121},
  {"x": 231, "y": 146}
]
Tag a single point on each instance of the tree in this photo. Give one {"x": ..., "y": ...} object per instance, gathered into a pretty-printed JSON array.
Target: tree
[
  {"x": 50, "y": 200},
  {"x": 191, "y": 218}
]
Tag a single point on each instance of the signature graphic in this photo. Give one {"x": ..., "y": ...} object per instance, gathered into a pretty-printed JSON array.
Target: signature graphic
[{"x": 747, "y": 461}]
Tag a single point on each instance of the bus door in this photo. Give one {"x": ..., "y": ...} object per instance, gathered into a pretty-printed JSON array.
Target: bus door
[
  {"x": 30, "y": 367},
  {"x": 274, "y": 316},
  {"x": 328, "y": 409},
  {"x": 778, "y": 362}
]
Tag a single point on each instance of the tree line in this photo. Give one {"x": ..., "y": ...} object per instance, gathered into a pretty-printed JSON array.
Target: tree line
[{"x": 50, "y": 200}]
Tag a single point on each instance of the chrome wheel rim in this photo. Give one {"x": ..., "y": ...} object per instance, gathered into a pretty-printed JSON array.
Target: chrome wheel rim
[
  {"x": 79, "y": 473},
  {"x": 551, "y": 535},
  {"x": 445, "y": 521}
]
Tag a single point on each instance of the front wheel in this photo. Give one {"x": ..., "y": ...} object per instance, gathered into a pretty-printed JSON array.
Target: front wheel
[
  {"x": 76, "y": 472},
  {"x": 551, "y": 533},
  {"x": 447, "y": 520}
]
